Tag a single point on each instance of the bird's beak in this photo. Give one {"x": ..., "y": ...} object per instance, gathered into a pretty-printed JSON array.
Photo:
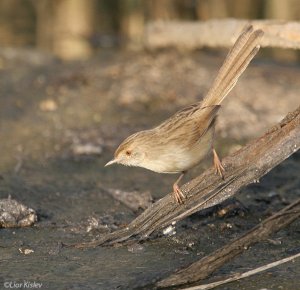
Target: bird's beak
[{"x": 111, "y": 162}]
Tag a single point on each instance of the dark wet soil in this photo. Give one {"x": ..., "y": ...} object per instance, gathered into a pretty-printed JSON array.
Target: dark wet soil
[{"x": 49, "y": 108}]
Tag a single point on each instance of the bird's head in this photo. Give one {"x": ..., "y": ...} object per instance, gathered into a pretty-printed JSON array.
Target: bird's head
[{"x": 131, "y": 151}]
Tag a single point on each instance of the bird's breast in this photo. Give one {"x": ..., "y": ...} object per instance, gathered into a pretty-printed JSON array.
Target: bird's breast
[{"x": 174, "y": 158}]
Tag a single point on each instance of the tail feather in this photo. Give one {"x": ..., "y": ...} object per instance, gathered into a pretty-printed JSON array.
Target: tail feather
[
  {"x": 230, "y": 85},
  {"x": 237, "y": 60}
]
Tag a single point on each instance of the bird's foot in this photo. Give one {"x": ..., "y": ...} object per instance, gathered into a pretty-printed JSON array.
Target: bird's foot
[
  {"x": 219, "y": 169},
  {"x": 178, "y": 194}
]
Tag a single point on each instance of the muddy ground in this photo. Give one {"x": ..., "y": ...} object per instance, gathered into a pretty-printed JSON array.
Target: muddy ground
[{"x": 52, "y": 113}]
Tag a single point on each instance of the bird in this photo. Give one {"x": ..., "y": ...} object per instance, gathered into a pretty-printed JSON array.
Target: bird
[{"x": 183, "y": 140}]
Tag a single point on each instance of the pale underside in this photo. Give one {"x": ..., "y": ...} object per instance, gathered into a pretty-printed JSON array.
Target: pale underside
[
  {"x": 182, "y": 141},
  {"x": 176, "y": 159}
]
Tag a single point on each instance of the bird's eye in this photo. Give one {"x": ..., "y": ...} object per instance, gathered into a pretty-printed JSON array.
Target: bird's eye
[{"x": 128, "y": 152}]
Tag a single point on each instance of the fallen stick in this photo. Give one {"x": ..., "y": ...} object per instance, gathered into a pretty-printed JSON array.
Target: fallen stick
[
  {"x": 219, "y": 33},
  {"x": 242, "y": 168},
  {"x": 239, "y": 276},
  {"x": 202, "y": 268}
]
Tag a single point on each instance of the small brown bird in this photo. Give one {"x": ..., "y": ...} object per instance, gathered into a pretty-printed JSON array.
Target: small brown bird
[{"x": 183, "y": 140}]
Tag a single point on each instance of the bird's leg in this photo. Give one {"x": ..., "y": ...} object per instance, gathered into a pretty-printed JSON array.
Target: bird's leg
[
  {"x": 217, "y": 164},
  {"x": 178, "y": 195}
]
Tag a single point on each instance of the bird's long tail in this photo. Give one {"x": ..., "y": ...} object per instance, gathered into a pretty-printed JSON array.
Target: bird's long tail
[{"x": 237, "y": 60}]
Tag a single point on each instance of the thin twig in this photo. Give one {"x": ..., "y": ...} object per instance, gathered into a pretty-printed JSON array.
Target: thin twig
[
  {"x": 204, "y": 267},
  {"x": 239, "y": 276}
]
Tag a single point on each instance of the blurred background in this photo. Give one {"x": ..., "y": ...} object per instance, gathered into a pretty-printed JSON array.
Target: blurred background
[
  {"x": 76, "y": 29},
  {"x": 76, "y": 79}
]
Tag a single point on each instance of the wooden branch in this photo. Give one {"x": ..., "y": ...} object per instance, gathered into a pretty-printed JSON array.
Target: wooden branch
[
  {"x": 219, "y": 33},
  {"x": 239, "y": 276},
  {"x": 201, "y": 269},
  {"x": 242, "y": 168}
]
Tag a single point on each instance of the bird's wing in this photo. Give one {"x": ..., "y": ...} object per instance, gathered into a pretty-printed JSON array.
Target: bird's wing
[{"x": 188, "y": 125}]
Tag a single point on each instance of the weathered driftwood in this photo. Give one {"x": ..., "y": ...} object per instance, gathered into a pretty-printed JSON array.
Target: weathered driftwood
[
  {"x": 202, "y": 268},
  {"x": 242, "y": 168},
  {"x": 246, "y": 274},
  {"x": 219, "y": 33}
]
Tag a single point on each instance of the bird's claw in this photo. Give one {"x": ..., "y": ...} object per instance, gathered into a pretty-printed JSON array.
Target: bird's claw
[
  {"x": 178, "y": 194},
  {"x": 219, "y": 169}
]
